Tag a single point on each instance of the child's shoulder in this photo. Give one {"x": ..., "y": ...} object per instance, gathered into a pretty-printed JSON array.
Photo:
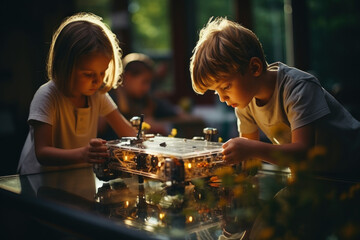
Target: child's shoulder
[
  {"x": 293, "y": 72},
  {"x": 48, "y": 91},
  {"x": 49, "y": 86},
  {"x": 291, "y": 76}
]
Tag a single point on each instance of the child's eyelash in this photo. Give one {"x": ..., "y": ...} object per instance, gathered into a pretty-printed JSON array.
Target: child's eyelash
[{"x": 227, "y": 87}]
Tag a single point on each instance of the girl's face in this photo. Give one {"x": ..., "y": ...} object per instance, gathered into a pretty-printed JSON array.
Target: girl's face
[{"x": 89, "y": 74}]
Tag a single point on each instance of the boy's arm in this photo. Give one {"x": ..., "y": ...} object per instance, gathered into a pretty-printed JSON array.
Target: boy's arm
[
  {"x": 119, "y": 124},
  {"x": 253, "y": 136},
  {"x": 240, "y": 149},
  {"x": 48, "y": 155}
]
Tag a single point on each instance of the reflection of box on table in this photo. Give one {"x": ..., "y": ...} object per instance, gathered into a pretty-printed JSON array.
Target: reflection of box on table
[
  {"x": 164, "y": 158},
  {"x": 154, "y": 207}
]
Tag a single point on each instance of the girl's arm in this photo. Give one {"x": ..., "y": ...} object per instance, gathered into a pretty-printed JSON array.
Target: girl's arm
[
  {"x": 240, "y": 149},
  {"x": 119, "y": 124},
  {"x": 48, "y": 155}
]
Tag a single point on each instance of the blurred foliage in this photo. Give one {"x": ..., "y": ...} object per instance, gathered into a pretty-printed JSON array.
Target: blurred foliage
[
  {"x": 151, "y": 25},
  {"x": 335, "y": 33},
  {"x": 268, "y": 17},
  {"x": 312, "y": 207},
  {"x": 334, "y": 48},
  {"x": 308, "y": 207},
  {"x": 151, "y": 21},
  {"x": 205, "y": 9},
  {"x": 98, "y": 7}
]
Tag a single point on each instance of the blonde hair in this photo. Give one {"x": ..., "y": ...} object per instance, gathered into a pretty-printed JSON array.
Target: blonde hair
[
  {"x": 137, "y": 63},
  {"x": 79, "y": 35},
  {"x": 224, "y": 48}
]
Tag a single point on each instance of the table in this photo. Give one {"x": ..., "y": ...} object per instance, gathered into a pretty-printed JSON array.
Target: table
[{"x": 246, "y": 204}]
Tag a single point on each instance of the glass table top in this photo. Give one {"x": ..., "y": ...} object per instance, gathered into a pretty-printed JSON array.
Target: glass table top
[{"x": 260, "y": 202}]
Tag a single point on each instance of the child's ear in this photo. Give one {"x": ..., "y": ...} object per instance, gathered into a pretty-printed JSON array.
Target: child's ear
[{"x": 256, "y": 66}]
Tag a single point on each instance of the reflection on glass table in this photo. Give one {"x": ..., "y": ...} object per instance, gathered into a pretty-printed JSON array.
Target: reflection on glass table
[{"x": 258, "y": 201}]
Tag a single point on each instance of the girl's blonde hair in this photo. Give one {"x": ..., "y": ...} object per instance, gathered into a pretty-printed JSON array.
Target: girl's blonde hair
[
  {"x": 79, "y": 35},
  {"x": 224, "y": 48}
]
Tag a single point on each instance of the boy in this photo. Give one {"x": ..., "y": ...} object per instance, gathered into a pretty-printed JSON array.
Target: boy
[{"x": 288, "y": 105}]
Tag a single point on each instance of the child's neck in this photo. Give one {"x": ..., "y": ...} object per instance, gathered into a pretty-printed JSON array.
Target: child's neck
[
  {"x": 80, "y": 102},
  {"x": 267, "y": 89}
]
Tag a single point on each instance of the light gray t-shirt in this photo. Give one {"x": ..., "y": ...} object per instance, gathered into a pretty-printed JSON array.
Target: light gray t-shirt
[
  {"x": 72, "y": 127},
  {"x": 298, "y": 100}
]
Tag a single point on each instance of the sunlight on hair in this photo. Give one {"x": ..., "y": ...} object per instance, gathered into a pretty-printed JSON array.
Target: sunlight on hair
[{"x": 113, "y": 73}]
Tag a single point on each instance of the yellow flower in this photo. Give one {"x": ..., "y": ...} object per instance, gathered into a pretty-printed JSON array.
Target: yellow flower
[
  {"x": 350, "y": 194},
  {"x": 266, "y": 233},
  {"x": 353, "y": 189},
  {"x": 252, "y": 163},
  {"x": 343, "y": 196},
  {"x": 145, "y": 126},
  {"x": 240, "y": 178},
  {"x": 291, "y": 178},
  {"x": 238, "y": 191},
  {"x": 223, "y": 171},
  {"x": 349, "y": 230},
  {"x": 222, "y": 202},
  {"x": 173, "y": 132}
]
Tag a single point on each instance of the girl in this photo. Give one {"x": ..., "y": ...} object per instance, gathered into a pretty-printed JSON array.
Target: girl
[{"x": 84, "y": 63}]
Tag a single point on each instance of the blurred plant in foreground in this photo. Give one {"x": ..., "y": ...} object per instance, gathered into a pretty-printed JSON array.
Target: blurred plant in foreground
[{"x": 308, "y": 206}]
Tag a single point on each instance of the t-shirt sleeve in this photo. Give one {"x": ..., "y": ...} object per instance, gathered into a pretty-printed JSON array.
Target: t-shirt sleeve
[
  {"x": 304, "y": 103},
  {"x": 246, "y": 123},
  {"x": 42, "y": 106},
  {"x": 107, "y": 104}
]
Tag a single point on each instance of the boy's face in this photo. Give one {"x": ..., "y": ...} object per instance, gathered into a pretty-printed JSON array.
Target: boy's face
[{"x": 236, "y": 91}]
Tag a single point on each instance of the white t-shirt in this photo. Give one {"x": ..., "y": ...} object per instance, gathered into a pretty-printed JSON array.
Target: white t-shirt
[
  {"x": 72, "y": 127},
  {"x": 298, "y": 100}
]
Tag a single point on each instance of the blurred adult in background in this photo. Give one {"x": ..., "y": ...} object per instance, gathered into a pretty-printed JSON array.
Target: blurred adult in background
[{"x": 134, "y": 97}]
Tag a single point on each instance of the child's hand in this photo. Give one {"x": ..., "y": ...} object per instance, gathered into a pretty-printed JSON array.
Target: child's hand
[
  {"x": 96, "y": 151},
  {"x": 237, "y": 150}
]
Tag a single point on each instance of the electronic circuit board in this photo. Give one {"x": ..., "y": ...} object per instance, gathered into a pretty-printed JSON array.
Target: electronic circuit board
[{"x": 165, "y": 158}]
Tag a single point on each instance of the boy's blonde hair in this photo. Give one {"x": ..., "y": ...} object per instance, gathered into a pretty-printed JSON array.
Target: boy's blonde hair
[
  {"x": 79, "y": 35},
  {"x": 224, "y": 48}
]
